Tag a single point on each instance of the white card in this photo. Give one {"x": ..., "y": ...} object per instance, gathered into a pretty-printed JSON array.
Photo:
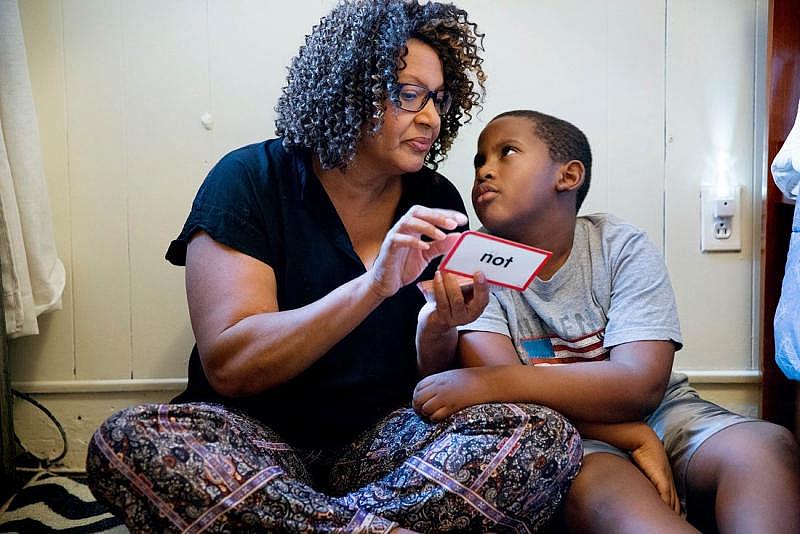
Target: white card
[{"x": 504, "y": 262}]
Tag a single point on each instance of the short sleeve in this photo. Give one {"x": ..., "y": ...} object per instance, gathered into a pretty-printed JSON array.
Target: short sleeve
[
  {"x": 493, "y": 319},
  {"x": 229, "y": 208},
  {"x": 642, "y": 300}
]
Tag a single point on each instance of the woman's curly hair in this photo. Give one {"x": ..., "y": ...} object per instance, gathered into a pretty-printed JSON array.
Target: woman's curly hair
[{"x": 343, "y": 74}]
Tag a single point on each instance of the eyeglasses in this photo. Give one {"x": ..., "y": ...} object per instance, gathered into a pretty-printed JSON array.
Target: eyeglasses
[{"x": 410, "y": 97}]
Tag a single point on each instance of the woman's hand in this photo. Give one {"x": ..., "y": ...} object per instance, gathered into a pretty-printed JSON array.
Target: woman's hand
[
  {"x": 440, "y": 395},
  {"x": 652, "y": 460},
  {"x": 404, "y": 255}
]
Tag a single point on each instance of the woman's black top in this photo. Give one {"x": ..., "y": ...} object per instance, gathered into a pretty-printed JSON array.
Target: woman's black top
[{"x": 267, "y": 203}]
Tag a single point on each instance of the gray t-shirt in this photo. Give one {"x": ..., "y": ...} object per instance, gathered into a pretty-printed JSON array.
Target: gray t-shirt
[{"x": 613, "y": 289}]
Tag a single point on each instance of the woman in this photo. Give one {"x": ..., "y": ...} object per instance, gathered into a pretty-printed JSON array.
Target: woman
[{"x": 299, "y": 256}]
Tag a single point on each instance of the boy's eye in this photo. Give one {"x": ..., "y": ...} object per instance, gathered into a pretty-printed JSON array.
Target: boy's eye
[
  {"x": 508, "y": 149},
  {"x": 478, "y": 161}
]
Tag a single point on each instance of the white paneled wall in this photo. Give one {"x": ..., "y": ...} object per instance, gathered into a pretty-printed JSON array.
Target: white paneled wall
[
  {"x": 120, "y": 87},
  {"x": 124, "y": 84},
  {"x": 713, "y": 117}
]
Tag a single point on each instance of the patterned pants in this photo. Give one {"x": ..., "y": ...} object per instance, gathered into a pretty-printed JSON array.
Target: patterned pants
[{"x": 202, "y": 467}]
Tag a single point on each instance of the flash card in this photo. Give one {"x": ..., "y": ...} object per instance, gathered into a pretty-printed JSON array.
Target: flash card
[{"x": 504, "y": 262}]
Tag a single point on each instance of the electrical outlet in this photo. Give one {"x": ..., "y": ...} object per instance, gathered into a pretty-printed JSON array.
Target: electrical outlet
[
  {"x": 720, "y": 233},
  {"x": 722, "y": 229}
]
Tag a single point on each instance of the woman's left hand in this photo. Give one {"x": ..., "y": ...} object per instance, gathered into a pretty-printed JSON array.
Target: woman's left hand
[{"x": 404, "y": 255}]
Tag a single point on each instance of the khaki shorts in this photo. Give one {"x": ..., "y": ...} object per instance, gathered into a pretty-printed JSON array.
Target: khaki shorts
[{"x": 683, "y": 421}]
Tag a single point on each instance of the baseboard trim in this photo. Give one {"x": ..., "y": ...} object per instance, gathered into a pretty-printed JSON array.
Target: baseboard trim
[
  {"x": 733, "y": 376},
  {"x": 101, "y": 386}
]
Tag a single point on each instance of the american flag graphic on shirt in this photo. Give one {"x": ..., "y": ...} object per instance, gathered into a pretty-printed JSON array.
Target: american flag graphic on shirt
[{"x": 553, "y": 349}]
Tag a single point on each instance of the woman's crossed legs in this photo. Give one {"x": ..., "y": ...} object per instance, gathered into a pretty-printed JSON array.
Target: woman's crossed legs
[{"x": 201, "y": 467}]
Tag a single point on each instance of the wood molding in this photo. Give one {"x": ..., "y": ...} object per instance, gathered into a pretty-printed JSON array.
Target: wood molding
[{"x": 783, "y": 92}]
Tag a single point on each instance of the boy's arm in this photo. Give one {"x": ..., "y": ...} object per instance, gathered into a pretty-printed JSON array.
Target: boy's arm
[
  {"x": 624, "y": 388},
  {"x": 646, "y": 450},
  {"x": 436, "y": 342},
  {"x": 449, "y": 305},
  {"x": 626, "y": 436}
]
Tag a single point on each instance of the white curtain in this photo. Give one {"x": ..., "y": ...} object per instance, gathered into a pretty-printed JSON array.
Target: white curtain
[{"x": 32, "y": 274}]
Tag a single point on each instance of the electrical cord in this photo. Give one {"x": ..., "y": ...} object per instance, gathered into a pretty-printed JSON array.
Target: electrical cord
[{"x": 44, "y": 462}]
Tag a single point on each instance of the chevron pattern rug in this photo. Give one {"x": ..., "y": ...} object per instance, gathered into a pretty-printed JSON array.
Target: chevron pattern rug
[{"x": 51, "y": 503}]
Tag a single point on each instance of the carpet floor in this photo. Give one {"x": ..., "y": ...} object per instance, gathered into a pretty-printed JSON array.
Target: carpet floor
[{"x": 53, "y": 503}]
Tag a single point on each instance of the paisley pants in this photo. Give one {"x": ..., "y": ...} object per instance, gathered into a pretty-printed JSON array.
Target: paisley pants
[{"x": 203, "y": 467}]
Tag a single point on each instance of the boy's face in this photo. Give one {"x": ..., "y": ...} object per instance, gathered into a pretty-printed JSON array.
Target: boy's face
[{"x": 515, "y": 179}]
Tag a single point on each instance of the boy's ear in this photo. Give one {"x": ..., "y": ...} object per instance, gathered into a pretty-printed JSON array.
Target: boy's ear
[{"x": 571, "y": 176}]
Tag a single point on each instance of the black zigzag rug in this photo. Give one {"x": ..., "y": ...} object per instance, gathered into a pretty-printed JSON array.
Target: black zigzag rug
[{"x": 51, "y": 503}]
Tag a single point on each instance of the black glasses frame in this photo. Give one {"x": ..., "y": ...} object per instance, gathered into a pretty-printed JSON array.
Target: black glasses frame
[{"x": 442, "y": 99}]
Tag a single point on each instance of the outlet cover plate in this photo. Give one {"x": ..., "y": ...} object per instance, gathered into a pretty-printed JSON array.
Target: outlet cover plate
[{"x": 708, "y": 240}]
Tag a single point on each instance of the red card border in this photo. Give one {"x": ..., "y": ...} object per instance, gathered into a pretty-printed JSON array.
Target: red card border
[{"x": 547, "y": 254}]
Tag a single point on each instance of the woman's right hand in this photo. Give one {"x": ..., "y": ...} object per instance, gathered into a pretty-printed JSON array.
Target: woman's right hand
[{"x": 404, "y": 255}]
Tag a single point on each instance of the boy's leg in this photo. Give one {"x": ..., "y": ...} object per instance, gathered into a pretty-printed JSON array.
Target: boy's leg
[
  {"x": 749, "y": 474},
  {"x": 612, "y": 495},
  {"x": 200, "y": 467},
  {"x": 490, "y": 467},
  {"x": 734, "y": 473}
]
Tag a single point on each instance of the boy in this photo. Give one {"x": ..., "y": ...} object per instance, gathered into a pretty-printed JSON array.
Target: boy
[{"x": 603, "y": 306}]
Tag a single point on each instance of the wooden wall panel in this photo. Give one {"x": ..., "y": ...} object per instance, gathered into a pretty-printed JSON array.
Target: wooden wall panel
[
  {"x": 636, "y": 112},
  {"x": 50, "y": 355},
  {"x": 250, "y": 44},
  {"x": 97, "y": 152},
  {"x": 166, "y": 93},
  {"x": 713, "y": 42}
]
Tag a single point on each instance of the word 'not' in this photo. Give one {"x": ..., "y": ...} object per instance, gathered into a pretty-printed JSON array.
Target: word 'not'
[{"x": 496, "y": 260}]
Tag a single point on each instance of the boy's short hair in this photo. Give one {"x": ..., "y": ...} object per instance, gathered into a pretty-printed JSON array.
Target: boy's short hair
[{"x": 564, "y": 140}]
